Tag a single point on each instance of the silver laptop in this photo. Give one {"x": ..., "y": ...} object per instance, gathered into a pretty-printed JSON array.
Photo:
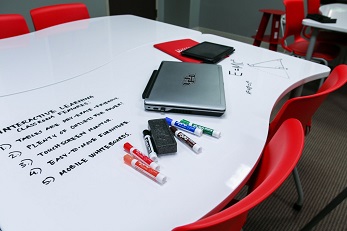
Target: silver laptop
[{"x": 193, "y": 88}]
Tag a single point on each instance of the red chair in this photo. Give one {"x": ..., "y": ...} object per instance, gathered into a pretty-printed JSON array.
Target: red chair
[
  {"x": 278, "y": 159},
  {"x": 323, "y": 52},
  {"x": 324, "y": 36},
  {"x": 303, "y": 108},
  {"x": 48, "y": 16},
  {"x": 313, "y": 6},
  {"x": 12, "y": 25}
]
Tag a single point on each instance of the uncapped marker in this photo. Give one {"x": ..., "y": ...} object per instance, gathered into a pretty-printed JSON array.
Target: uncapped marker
[{"x": 143, "y": 168}]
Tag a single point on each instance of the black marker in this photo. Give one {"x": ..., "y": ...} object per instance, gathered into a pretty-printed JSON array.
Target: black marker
[
  {"x": 185, "y": 139},
  {"x": 151, "y": 153}
]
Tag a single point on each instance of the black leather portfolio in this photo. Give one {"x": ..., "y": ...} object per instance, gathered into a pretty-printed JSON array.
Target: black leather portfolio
[{"x": 208, "y": 52}]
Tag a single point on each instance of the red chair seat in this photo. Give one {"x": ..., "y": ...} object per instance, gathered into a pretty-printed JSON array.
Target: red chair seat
[{"x": 321, "y": 50}]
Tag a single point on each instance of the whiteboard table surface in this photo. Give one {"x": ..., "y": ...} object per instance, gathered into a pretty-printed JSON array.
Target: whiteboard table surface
[{"x": 70, "y": 97}]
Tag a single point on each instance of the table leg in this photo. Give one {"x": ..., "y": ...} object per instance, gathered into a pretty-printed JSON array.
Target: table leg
[
  {"x": 298, "y": 91},
  {"x": 313, "y": 39}
]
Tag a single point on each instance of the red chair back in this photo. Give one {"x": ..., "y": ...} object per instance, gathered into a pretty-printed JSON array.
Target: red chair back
[
  {"x": 294, "y": 16},
  {"x": 313, "y": 6},
  {"x": 48, "y": 16},
  {"x": 304, "y": 107},
  {"x": 278, "y": 160},
  {"x": 12, "y": 25}
]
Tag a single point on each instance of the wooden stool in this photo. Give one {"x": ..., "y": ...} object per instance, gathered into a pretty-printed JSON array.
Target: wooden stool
[{"x": 273, "y": 38}]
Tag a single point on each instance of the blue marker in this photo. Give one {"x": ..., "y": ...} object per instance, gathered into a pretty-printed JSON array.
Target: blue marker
[{"x": 194, "y": 130}]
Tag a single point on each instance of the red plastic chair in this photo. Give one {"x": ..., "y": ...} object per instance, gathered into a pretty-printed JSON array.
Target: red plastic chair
[
  {"x": 279, "y": 157},
  {"x": 313, "y": 6},
  {"x": 323, "y": 52},
  {"x": 48, "y": 16},
  {"x": 12, "y": 25},
  {"x": 303, "y": 108}
]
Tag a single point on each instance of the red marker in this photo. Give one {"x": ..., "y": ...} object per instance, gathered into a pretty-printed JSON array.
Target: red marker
[
  {"x": 145, "y": 169},
  {"x": 140, "y": 156}
]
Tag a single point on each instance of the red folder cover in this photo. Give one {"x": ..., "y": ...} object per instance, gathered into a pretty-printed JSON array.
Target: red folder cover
[{"x": 175, "y": 47}]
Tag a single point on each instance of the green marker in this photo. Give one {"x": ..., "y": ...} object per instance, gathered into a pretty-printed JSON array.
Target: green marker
[{"x": 204, "y": 129}]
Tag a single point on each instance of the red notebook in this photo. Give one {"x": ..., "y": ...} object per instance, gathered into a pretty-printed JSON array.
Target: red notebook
[{"x": 175, "y": 47}]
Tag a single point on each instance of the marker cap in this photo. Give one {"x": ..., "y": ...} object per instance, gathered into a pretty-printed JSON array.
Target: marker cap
[
  {"x": 155, "y": 166},
  {"x": 216, "y": 134},
  {"x": 127, "y": 146},
  {"x": 161, "y": 178},
  {"x": 198, "y": 131},
  {"x": 128, "y": 159},
  {"x": 146, "y": 132},
  {"x": 197, "y": 148},
  {"x": 153, "y": 156},
  {"x": 168, "y": 121},
  {"x": 173, "y": 129}
]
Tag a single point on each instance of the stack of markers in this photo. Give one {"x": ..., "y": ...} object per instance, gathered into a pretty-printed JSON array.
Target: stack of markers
[
  {"x": 143, "y": 163},
  {"x": 195, "y": 129},
  {"x": 160, "y": 128}
]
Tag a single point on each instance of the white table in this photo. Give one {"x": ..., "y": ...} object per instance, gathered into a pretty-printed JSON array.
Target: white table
[
  {"x": 336, "y": 10},
  {"x": 66, "y": 92}
]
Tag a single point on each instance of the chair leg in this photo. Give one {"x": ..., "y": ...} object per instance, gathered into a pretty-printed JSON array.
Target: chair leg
[
  {"x": 326, "y": 210},
  {"x": 300, "y": 201}
]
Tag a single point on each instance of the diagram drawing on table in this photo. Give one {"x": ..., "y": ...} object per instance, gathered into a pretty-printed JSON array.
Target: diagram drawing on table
[{"x": 273, "y": 67}]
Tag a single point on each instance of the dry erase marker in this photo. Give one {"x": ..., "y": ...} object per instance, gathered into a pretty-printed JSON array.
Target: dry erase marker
[
  {"x": 145, "y": 169},
  {"x": 185, "y": 127},
  {"x": 205, "y": 130},
  {"x": 182, "y": 137},
  {"x": 140, "y": 156},
  {"x": 151, "y": 153}
]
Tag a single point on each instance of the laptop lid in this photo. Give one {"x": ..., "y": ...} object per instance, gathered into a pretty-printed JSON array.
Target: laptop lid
[{"x": 186, "y": 88}]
